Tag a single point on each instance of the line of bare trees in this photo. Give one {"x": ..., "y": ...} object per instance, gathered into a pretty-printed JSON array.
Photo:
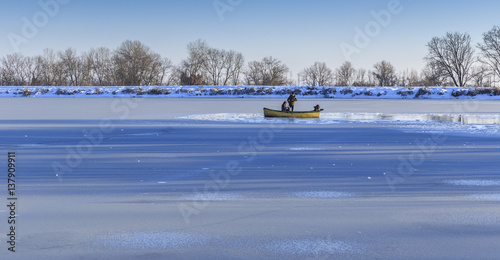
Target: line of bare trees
[
  {"x": 452, "y": 60},
  {"x": 382, "y": 74},
  {"x": 132, "y": 63}
]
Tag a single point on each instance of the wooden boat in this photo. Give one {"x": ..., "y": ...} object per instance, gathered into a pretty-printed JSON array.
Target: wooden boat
[{"x": 295, "y": 114}]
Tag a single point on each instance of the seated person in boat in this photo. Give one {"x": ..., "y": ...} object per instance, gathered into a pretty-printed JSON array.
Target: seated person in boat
[
  {"x": 317, "y": 108},
  {"x": 284, "y": 107}
]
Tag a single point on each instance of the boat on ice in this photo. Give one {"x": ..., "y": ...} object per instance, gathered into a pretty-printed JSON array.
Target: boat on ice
[{"x": 295, "y": 114}]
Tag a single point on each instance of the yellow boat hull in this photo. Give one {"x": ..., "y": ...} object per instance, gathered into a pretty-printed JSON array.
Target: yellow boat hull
[{"x": 296, "y": 114}]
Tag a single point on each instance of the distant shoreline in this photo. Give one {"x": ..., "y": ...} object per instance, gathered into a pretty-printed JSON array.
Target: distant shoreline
[{"x": 256, "y": 92}]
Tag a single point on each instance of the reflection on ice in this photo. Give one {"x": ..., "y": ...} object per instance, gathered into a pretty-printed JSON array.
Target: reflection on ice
[
  {"x": 466, "y": 119},
  {"x": 332, "y": 118}
]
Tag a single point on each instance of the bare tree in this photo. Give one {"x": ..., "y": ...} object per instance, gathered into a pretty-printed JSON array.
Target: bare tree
[
  {"x": 2, "y": 77},
  {"x": 345, "y": 74},
  {"x": 191, "y": 69},
  {"x": 253, "y": 75},
  {"x": 414, "y": 79},
  {"x": 157, "y": 71},
  {"x": 17, "y": 69},
  {"x": 453, "y": 55},
  {"x": 234, "y": 62},
  {"x": 72, "y": 67},
  {"x": 206, "y": 65},
  {"x": 274, "y": 72},
  {"x": 174, "y": 77},
  {"x": 409, "y": 79},
  {"x": 481, "y": 76},
  {"x": 167, "y": 69},
  {"x": 360, "y": 79},
  {"x": 35, "y": 70},
  {"x": 101, "y": 66},
  {"x": 372, "y": 79},
  {"x": 317, "y": 75},
  {"x": 223, "y": 67},
  {"x": 403, "y": 78},
  {"x": 490, "y": 50},
  {"x": 268, "y": 72},
  {"x": 136, "y": 65},
  {"x": 213, "y": 64},
  {"x": 432, "y": 75},
  {"x": 9, "y": 64},
  {"x": 128, "y": 60},
  {"x": 50, "y": 66},
  {"x": 131, "y": 64},
  {"x": 385, "y": 74}
]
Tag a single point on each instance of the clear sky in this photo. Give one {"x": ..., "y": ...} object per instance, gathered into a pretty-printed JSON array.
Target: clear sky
[{"x": 298, "y": 32}]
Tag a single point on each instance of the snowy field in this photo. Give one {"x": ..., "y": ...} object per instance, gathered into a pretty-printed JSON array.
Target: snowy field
[{"x": 113, "y": 178}]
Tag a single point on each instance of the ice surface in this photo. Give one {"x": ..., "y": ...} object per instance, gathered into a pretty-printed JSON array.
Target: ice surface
[
  {"x": 231, "y": 117},
  {"x": 472, "y": 218},
  {"x": 482, "y": 183},
  {"x": 29, "y": 145},
  {"x": 151, "y": 240},
  {"x": 305, "y": 149},
  {"x": 323, "y": 194},
  {"x": 143, "y": 134},
  {"x": 315, "y": 190},
  {"x": 485, "y": 196},
  {"x": 214, "y": 196},
  {"x": 311, "y": 247}
]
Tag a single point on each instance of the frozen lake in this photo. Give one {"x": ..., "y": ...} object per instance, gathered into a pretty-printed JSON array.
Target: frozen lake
[{"x": 212, "y": 179}]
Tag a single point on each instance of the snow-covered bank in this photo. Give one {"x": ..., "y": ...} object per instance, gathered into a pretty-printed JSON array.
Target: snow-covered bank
[{"x": 256, "y": 92}]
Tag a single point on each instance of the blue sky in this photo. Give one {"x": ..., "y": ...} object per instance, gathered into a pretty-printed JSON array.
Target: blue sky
[{"x": 298, "y": 32}]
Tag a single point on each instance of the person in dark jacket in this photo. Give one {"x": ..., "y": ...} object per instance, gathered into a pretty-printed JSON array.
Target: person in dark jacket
[{"x": 291, "y": 101}]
